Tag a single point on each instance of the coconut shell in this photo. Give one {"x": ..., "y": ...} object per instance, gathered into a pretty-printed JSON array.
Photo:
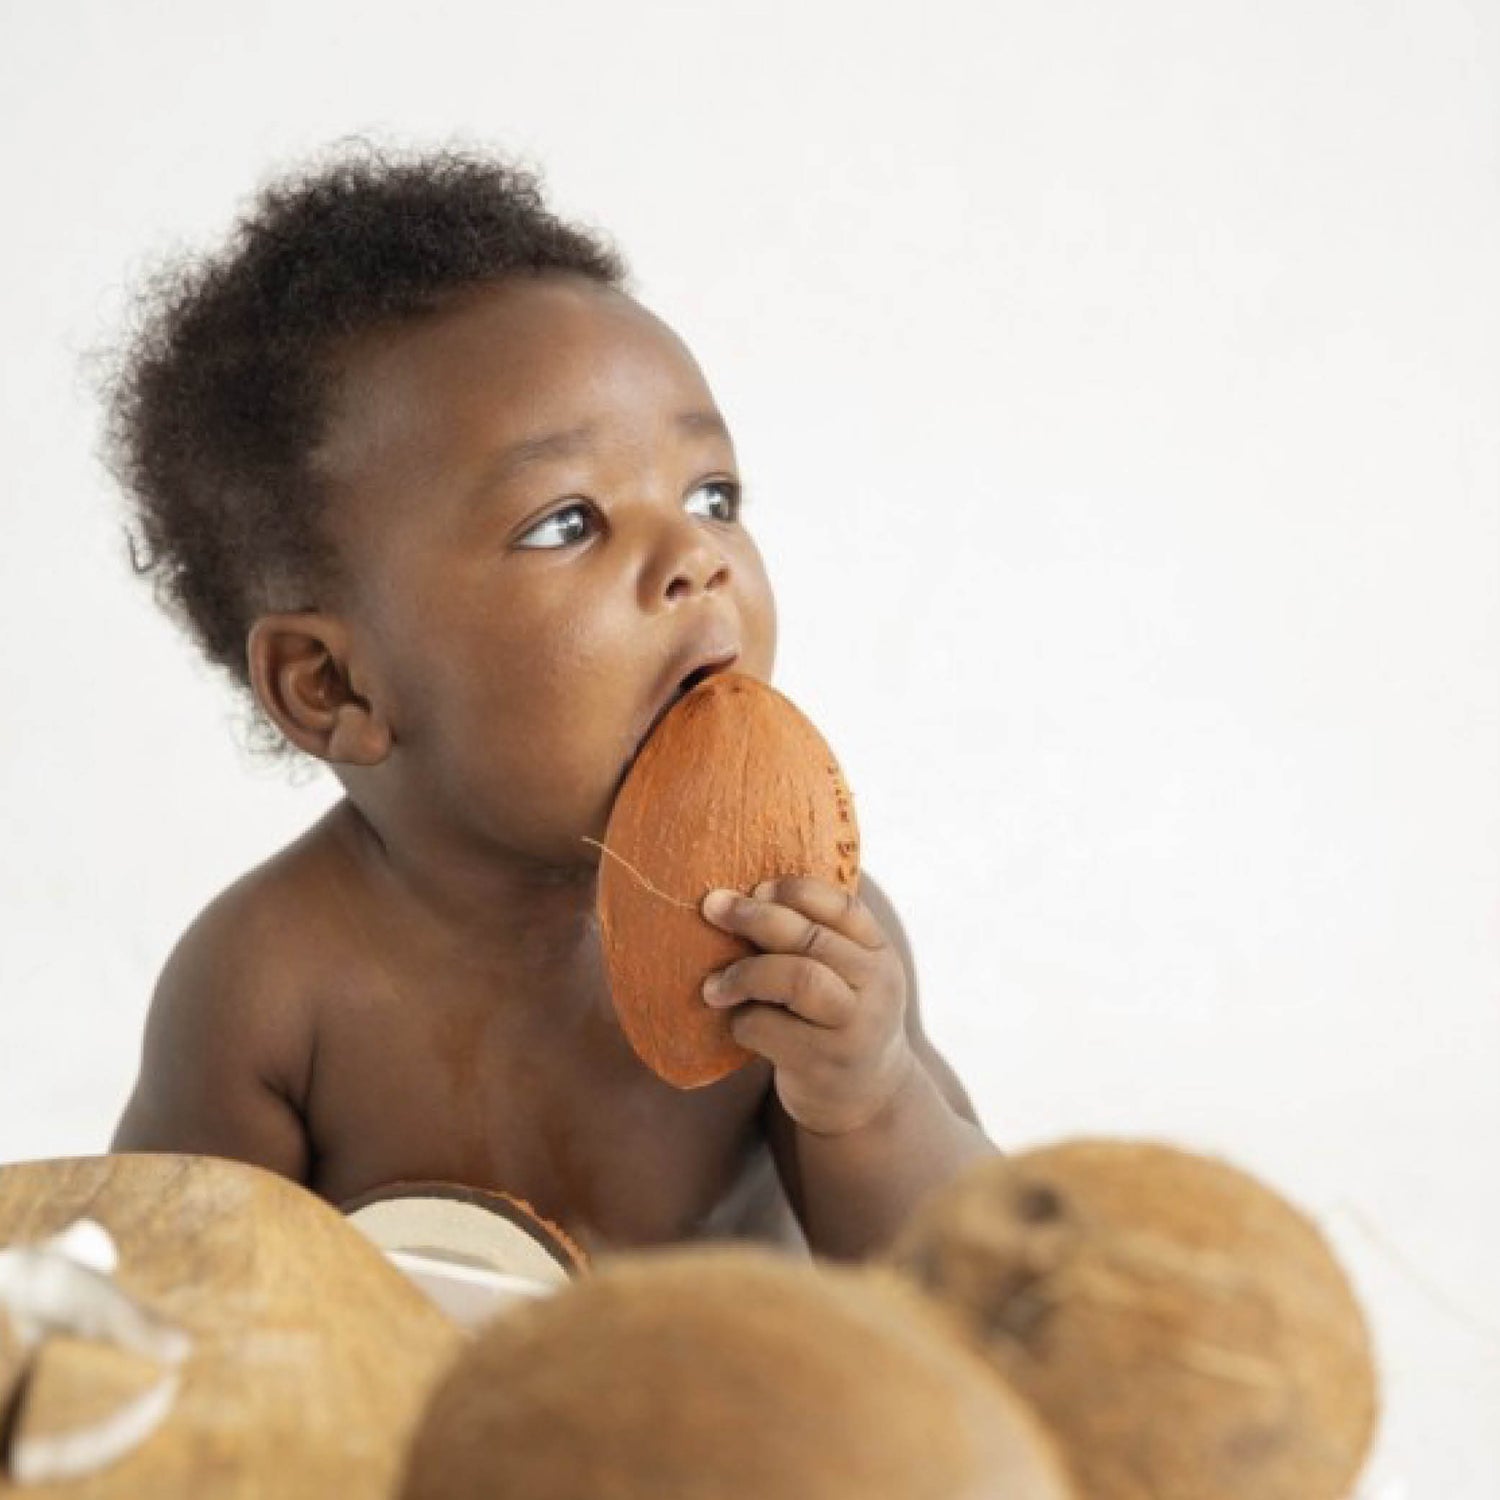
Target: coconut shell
[
  {"x": 733, "y": 787},
  {"x": 12, "y": 1361},
  {"x": 724, "y": 1373},
  {"x": 311, "y": 1355},
  {"x": 83, "y": 1405},
  {"x": 490, "y": 1228},
  {"x": 1186, "y": 1332}
]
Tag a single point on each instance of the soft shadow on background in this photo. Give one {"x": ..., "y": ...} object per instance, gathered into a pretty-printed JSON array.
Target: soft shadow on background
[{"x": 1118, "y": 391}]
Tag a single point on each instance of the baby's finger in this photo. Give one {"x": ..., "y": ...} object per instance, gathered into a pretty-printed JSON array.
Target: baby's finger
[
  {"x": 783, "y": 1040},
  {"x": 807, "y": 989},
  {"x": 831, "y": 905},
  {"x": 779, "y": 929}
]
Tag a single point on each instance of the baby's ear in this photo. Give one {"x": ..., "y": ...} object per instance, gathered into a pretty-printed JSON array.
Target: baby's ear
[{"x": 299, "y": 670}]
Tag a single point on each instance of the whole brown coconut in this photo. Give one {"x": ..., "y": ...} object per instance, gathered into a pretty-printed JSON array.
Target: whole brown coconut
[
  {"x": 734, "y": 786},
  {"x": 1182, "y": 1329},
  {"x": 726, "y": 1373}
]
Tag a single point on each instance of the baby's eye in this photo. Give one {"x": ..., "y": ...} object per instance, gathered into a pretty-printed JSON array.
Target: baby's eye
[
  {"x": 559, "y": 518},
  {"x": 573, "y": 522},
  {"x": 729, "y": 497}
]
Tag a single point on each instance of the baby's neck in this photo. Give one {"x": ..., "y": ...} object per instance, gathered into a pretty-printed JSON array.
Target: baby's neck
[{"x": 526, "y": 918}]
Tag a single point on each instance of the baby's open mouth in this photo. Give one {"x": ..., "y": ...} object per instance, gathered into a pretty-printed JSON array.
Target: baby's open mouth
[
  {"x": 693, "y": 679},
  {"x": 683, "y": 688},
  {"x": 686, "y": 686}
]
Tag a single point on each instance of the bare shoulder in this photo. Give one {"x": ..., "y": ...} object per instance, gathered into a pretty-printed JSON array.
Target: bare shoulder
[
  {"x": 231, "y": 1029},
  {"x": 884, "y": 912}
]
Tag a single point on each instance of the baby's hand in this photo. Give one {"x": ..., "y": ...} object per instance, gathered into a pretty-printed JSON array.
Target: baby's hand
[{"x": 824, "y": 1000}]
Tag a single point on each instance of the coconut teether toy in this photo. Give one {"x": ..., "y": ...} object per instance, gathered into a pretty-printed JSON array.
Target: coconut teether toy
[
  {"x": 734, "y": 786},
  {"x": 723, "y": 1373},
  {"x": 1184, "y": 1331}
]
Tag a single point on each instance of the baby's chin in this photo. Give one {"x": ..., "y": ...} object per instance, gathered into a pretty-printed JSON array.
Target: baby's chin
[{"x": 632, "y": 740}]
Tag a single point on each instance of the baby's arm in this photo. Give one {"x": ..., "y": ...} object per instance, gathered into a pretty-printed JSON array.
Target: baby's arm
[
  {"x": 227, "y": 1051},
  {"x": 865, "y": 1117}
]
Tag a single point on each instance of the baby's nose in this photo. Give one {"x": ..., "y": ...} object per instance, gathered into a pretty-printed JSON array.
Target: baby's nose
[
  {"x": 698, "y": 576},
  {"x": 688, "y": 560}
]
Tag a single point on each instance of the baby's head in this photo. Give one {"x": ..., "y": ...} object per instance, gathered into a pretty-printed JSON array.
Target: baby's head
[{"x": 416, "y": 471}]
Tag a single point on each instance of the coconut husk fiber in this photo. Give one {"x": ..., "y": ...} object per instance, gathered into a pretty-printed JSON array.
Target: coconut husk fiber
[
  {"x": 725, "y": 1373},
  {"x": 734, "y": 786},
  {"x": 1185, "y": 1332}
]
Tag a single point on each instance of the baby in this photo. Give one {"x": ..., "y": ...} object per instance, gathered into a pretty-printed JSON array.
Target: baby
[{"x": 462, "y": 516}]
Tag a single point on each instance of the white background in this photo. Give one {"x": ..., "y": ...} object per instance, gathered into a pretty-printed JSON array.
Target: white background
[{"x": 1119, "y": 391}]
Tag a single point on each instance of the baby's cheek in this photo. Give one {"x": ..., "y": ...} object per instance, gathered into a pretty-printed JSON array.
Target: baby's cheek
[{"x": 760, "y": 603}]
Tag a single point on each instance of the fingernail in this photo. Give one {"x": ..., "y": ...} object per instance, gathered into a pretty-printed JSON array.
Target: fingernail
[
  {"x": 763, "y": 891},
  {"x": 718, "y": 903},
  {"x": 711, "y": 987}
]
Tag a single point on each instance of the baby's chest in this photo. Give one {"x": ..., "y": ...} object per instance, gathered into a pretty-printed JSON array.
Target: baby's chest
[{"x": 587, "y": 1136}]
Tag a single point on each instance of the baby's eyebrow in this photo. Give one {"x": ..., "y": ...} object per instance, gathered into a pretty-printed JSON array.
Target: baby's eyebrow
[
  {"x": 520, "y": 455},
  {"x": 707, "y": 421}
]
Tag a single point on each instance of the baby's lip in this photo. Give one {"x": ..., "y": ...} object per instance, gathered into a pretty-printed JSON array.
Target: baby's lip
[{"x": 686, "y": 670}]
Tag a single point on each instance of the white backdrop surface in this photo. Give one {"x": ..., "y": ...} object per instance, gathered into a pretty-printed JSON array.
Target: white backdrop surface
[{"x": 1118, "y": 391}]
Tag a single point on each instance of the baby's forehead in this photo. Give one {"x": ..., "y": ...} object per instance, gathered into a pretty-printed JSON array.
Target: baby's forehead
[
  {"x": 526, "y": 355},
  {"x": 520, "y": 325}
]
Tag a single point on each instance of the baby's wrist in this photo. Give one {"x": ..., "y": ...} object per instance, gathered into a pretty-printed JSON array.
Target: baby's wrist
[{"x": 890, "y": 1102}]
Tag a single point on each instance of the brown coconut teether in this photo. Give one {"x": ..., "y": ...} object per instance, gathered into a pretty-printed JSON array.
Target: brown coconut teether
[
  {"x": 1185, "y": 1332},
  {"x": 724, "y": 1373},
  {"x": 733, "y": 787}
]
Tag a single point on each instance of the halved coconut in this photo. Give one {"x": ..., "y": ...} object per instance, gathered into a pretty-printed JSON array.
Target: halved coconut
[
  {"x": 474, "y": 1252},
  {"x": 82, "y": 1406},
  {"x": 12, "y": 1362},
  {"x": 469, "y": 1226},
  {"x": 310, "y": 1354}
]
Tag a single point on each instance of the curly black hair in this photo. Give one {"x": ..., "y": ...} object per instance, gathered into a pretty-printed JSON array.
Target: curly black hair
[{"x": 221, "y": 391}]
